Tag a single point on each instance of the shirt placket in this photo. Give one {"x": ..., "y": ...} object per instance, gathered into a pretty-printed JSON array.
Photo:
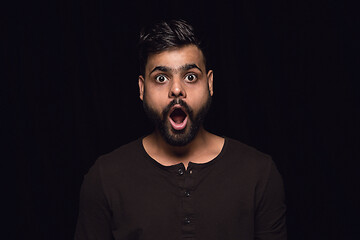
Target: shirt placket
[{"x": 186, "y": 187}]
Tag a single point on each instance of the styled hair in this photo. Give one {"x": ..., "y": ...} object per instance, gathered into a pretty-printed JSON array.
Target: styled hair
[{"x": 165, "y": 35}]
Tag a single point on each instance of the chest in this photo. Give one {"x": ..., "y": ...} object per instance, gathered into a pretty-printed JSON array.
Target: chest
[{"x": 182, "y": 204}]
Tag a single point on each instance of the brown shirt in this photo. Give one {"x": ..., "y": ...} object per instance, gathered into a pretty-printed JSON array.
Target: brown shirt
[{"x": 128, "y": 195}]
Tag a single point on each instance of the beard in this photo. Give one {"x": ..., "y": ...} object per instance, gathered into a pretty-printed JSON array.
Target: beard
[{"x": 169, "y": 134}]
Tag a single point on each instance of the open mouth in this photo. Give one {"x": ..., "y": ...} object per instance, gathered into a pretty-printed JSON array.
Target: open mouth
[{"x": 178, "y": 118}]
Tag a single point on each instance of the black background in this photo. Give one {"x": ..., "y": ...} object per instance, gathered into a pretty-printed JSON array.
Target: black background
[{"x": 285, "y": 78}]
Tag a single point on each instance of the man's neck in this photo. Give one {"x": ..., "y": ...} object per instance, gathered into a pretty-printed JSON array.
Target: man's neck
[
  {"x": 203, "y": 148},
  {"x": 181, "y": 151}
]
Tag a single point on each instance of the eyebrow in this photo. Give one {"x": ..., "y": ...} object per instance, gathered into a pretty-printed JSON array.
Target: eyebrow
[{"x": 168, "y": 69}]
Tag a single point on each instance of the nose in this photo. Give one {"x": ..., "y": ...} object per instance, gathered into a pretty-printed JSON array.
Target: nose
[{"x": 177, "y": 90}]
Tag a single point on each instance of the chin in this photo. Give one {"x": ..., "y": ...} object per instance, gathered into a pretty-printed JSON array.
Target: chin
[{"x": 179, "y": 138}]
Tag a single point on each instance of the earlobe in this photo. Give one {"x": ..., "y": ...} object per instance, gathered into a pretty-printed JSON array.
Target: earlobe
[
  {"x": 141, "y": 83},
  {"x": 210, "y": 82}
]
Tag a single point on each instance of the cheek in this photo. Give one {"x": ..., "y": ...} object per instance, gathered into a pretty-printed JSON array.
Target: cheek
[
  {"x": 154, "y": 101},
  {"x": 200, "y": 96}
]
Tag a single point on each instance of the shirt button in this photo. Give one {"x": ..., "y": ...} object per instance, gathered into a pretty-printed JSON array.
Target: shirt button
[
  {"x": 190, "y": 171},
  {"x": 180, "y": 171},
  {"x": 187, "y": 220},
  {"x": 187, "y": 194}
]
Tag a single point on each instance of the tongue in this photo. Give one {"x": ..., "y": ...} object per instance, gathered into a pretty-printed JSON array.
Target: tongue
[
  {"x": 178, "y": 124},
  {"x": 178, "y": 118}
]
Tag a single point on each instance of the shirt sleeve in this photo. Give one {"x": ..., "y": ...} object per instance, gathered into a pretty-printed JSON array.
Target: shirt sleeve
[
  {"x": 94, "y": 220},
  {"x": 271, "y": 210}
]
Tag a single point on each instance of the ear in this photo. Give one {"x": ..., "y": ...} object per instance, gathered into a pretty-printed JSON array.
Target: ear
[
  {"x": 210, "y": 81},
  {"x": 141, "y": 87}
]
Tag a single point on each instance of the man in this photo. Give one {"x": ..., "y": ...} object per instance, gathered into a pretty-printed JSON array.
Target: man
[{"x": 180, "y": 182}]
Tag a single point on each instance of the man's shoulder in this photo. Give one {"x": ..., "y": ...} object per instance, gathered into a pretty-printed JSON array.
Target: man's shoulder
[
  {"x": 242, "y": 154},
  {"x": 123, "y": 156},
  {"x": 128, "y": 149},
  {"x": 238, "y": 147}
]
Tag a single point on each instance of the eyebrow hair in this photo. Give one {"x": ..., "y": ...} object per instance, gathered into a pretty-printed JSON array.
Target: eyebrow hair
[
  {"x": 184, "y": 67},
  {"x": 161, "y": 68},
  {"x": 190, "y": 66}
]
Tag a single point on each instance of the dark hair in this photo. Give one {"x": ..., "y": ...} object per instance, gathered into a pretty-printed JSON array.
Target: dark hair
[{"x": 164, "y": 35}]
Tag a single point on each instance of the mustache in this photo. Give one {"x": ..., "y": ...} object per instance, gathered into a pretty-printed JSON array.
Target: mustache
[{"x": 180, "y": 102}]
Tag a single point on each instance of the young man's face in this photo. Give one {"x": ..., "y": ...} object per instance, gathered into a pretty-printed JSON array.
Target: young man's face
[{"x": 176, "y": 92}]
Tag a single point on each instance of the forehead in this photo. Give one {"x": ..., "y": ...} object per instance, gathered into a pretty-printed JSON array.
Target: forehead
[{"x": 176, "y": 57}]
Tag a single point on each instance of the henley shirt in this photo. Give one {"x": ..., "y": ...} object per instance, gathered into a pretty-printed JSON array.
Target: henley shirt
[{"x": 127, "y": 195}]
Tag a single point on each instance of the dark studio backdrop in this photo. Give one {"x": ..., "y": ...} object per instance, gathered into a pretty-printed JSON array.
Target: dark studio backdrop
[{"x": 285, "y": 78}]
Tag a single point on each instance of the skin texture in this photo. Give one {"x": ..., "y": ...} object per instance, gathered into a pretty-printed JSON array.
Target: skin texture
[{"x": 178, "y": 73}]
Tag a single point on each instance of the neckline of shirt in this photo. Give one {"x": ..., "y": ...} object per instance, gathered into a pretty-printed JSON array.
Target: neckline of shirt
[{"x": 176, "y": 167}]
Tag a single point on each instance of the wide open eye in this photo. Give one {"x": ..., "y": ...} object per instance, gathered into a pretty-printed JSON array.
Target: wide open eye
[
  {"x": 191, "y": 77},
  {"x": 161, "y": 78}
]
